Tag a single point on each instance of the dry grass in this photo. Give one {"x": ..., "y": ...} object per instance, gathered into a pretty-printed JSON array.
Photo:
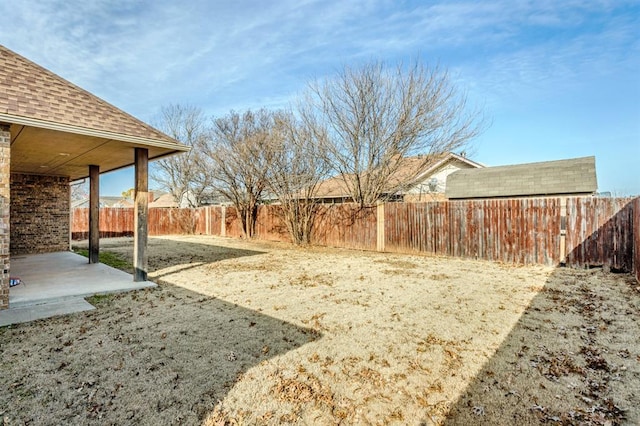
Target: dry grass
[{"x": 255, "y": 333}]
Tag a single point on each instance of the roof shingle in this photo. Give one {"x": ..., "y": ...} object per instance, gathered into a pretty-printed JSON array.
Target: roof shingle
[
  {"x": 31, "y": 91},
  {"x": 571, "y": 176}
]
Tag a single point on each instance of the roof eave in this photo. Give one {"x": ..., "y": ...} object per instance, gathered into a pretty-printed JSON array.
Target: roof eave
[
  {"x": 401, "y": 188},
  {"x": 174, "y": 147}
]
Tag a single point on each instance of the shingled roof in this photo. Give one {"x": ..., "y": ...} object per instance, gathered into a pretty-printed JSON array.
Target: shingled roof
[
  {"x": 576, "y": 176},
  {"x": 48, "y": 114},
  {"x": 31, "y": 91}
]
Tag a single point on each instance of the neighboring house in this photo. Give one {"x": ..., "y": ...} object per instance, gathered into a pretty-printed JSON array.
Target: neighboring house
[
  {"x": 121, "y": 203},
  {"x": 212, "y": 198},
  {"x": 430, "y": 184},
  {"x": 165, "y": 200},
  {"x": 571, "y": 177},
  {"x": 104, "y": 202},
  {"x": 52, "y": 133},
  {"x": 156, "y": 200},
  {"x": 405, "y": 184}
]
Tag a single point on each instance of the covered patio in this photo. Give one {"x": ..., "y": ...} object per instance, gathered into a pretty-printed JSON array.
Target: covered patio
[
  {"x": 51, "y": 134},
  {"x": 57, "y": 283}
]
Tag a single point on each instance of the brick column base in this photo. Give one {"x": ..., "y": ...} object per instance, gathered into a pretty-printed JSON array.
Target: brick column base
[{"x": 5, "y": 157}]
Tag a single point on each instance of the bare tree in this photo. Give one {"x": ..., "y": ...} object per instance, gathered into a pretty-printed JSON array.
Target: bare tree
[
  {"x": 298, "y": 166},
  {"x": 183, "y": 175},
  {"x": 79, "y": 190},
  {"x": 376, "y": 117},
  {"x": 239, "y": 154}
]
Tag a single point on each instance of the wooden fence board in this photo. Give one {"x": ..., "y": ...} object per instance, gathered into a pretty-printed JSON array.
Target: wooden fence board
[
  {"x": 200, "y": 219},
  {"x": 233, "y": 223},
  {"x": 171, "y": 221},
  {"x": 269, "y": 225},
  {"x": 114, "y": 222},
  {"x": 346, "y": 225},
  {"x": 600, "y": 232},
  {"x": 215, "y": 220},
  {"x": 521, "y": 231}
]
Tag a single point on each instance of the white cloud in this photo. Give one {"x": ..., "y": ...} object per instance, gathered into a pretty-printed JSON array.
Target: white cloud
[{"x": 140, "y": 55}]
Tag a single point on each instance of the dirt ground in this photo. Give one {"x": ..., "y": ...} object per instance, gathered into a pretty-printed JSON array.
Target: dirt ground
[{"x": 261, "y": 333}]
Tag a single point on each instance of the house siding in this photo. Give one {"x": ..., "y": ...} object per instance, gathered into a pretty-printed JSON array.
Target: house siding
[
  {"x": 39, "y": 214},
  {"x": 5, "y": 157},
  {"x": 423, "y": 192}
]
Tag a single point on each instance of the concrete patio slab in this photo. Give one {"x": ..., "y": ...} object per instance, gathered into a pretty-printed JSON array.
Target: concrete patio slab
[
  {"x": 44, "y": 310},
  {"x": 60, "y": 281}
]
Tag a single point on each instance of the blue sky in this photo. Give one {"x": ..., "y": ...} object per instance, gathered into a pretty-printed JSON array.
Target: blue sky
[{"x": 558, "y": 79}]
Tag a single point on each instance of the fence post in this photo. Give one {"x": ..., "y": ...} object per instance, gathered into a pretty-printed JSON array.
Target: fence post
[
  {"x": 223, "y": 222},
  {"x": 563, "y": 230},
  {"x": 380, "y": 226},
  {"x": 207, "y": 227}
]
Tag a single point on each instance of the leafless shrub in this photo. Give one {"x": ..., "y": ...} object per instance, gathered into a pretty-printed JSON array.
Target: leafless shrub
[
  {"x": 239, "y": 155},
  {"x": 183, "y": 175},
  {"x": 298, "y": 166}
]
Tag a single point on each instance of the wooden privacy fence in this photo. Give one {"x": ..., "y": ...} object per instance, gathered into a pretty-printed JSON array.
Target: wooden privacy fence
[
  {"x": 522, "y": 231},
  {"x": 118, "y": 222},
  {"x": 114, "y": 222},
  {"x": 577, "y": 231},
  {"x": 601, "y": 232}
]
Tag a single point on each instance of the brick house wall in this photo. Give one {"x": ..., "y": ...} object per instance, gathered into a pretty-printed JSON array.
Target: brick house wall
[
  {"x": 5, "y": 157},
  {"x": 39, "y": 214}
]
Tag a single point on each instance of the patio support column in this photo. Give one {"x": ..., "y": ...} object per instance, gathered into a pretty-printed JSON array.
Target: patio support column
[
  {"x": 94, "y": 214},
  {"x": 5, "y": 192},
  {"x": 141, "y": 214}
]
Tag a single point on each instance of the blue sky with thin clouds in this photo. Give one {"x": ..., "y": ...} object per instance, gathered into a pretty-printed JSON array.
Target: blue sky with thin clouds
[{"x": 558, "y": 79}]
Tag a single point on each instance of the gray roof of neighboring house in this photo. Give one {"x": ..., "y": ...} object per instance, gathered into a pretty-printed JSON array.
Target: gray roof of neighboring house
[{"x": 572, "y": 176}]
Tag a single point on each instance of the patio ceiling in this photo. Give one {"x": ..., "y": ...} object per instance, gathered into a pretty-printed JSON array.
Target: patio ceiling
[{"x": 67, "y": 151}]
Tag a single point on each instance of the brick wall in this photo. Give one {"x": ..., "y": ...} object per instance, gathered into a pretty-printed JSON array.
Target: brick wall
[
  {"x": 39, "y": 214},
  {"x": 5, "y": 156}
]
